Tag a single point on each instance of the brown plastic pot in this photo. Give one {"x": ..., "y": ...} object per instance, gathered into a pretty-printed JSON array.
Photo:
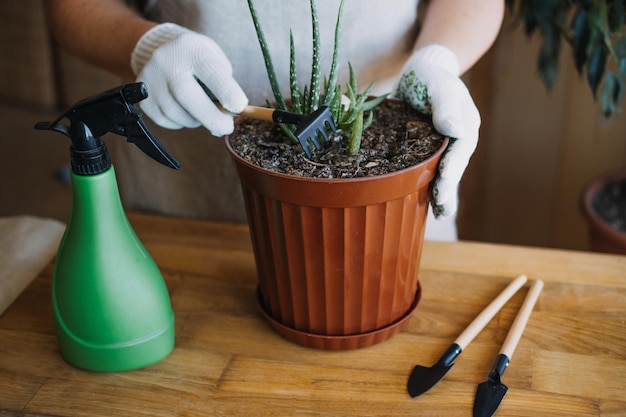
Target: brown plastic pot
[
  {"x": 337, "y": 259},
  {"x": 602, "y": 237}
]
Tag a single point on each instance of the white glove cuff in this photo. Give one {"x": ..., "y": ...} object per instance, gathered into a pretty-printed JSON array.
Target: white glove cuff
[
  {"x": 438, "y": 55},
  {"x": 151, "y": 40}
]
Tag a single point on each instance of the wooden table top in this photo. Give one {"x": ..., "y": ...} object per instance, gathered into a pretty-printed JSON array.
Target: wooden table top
[{"x": 571, "y": 360}]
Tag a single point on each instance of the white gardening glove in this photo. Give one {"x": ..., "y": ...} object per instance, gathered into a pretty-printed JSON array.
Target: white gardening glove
[
  {"x": 168, "y": 58},
  {"x": 430, "y": 83}
]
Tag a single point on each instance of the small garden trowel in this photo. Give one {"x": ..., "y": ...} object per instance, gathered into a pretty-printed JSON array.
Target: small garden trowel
[
  {"x": 490, "y": 393},
  {"x": 424, "y": 378}
]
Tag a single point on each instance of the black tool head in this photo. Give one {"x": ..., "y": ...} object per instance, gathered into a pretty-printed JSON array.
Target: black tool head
[
  {"x": 489, "y": 395},
  {"x": 316, "y": 123},
  {"x": 423, "y": 378}
]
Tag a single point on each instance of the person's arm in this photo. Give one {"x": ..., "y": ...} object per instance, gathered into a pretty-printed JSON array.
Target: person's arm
[
  {"x": 102, "y": 32},
  {"x": 454, "y": 35},
  {"x": 468, "y": 28},
  {"x": 172, "y": 61}
]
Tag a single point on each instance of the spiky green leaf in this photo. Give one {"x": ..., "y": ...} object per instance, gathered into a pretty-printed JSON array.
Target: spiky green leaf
[
  {"x": 376, "y": 101},
  {"x": 269, "y": 65},
  {"x": 334, "y": 67},
  {"x": 296, "y": 103},
  {"x": 369, "y": 120},
  {"x": 357, "y": 133},
  {"x": 314, "y": 92}
]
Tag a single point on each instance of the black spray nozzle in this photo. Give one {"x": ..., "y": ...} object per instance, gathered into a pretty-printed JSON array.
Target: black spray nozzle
[
  {"x": 110, "y": 111},
  {"x": 134, "y": 93}
]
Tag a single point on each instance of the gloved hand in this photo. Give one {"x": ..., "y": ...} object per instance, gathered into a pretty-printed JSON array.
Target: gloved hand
[
  {"x": 430, "y": 83},
  {"x": 168, "y": 59}
]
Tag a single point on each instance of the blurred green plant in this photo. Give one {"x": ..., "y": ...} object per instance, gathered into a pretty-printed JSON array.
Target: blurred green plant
[
  {"x": 350, "y": 117},
  {"x": 595, "y": 31}
]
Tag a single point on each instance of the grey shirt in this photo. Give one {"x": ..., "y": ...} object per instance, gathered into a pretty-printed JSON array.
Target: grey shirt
[{"x": 376, "y": 37}]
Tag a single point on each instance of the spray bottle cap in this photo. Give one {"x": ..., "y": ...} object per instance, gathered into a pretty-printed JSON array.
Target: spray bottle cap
[{"x": 110, "y": 111}]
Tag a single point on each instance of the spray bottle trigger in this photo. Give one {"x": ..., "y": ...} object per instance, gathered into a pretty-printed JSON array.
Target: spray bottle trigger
[
  {"x": 138, "y": 133},
  {"x": 54, "y": 126}
]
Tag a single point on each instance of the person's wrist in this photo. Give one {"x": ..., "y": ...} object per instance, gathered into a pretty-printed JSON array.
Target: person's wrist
[
  {"x": 151, "y": 40},
  {"x": 438, "y": 55}
]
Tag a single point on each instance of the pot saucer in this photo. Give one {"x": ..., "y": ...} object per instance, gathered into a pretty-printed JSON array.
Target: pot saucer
[{"x": 345, "y": 342}]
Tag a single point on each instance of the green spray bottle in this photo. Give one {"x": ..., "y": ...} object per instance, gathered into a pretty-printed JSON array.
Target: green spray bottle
[{"x": 112, "y": 310}]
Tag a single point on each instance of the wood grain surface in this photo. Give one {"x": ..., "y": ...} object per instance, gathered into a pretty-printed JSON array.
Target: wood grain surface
[{"x": 570, "y": 361}]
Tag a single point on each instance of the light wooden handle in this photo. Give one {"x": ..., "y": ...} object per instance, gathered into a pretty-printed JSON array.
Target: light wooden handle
[
  {"x": 258, "y": 113},
  {"x": 252, "y": 112},
  {"x": 487, "y": 314},
  {"x": 517, "y": 328}
]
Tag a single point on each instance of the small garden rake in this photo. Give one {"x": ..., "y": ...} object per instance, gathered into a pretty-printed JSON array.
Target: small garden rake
[{"x": 308, "y": 125}]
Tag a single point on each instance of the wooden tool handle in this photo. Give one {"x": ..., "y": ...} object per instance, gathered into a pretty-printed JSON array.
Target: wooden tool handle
[
  {"x": 258, "y": 113},
  {"x": 487, "y": 314},
  {"x": 517, "y": 328},
  {"x": 253, "y": 112}
]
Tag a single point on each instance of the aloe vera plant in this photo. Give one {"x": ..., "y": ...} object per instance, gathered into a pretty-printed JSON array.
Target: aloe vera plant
[{"x": 349, "y": 118}]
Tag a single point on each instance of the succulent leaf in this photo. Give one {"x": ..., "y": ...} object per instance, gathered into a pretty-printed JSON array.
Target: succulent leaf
[
  {"x": 334, "y": 67},
  {"x": 314, "y": 100},
  {"x": 269, "y": 65},
  {"x": 296, "y": 104},
  {"x": 357, "y": 133}
]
